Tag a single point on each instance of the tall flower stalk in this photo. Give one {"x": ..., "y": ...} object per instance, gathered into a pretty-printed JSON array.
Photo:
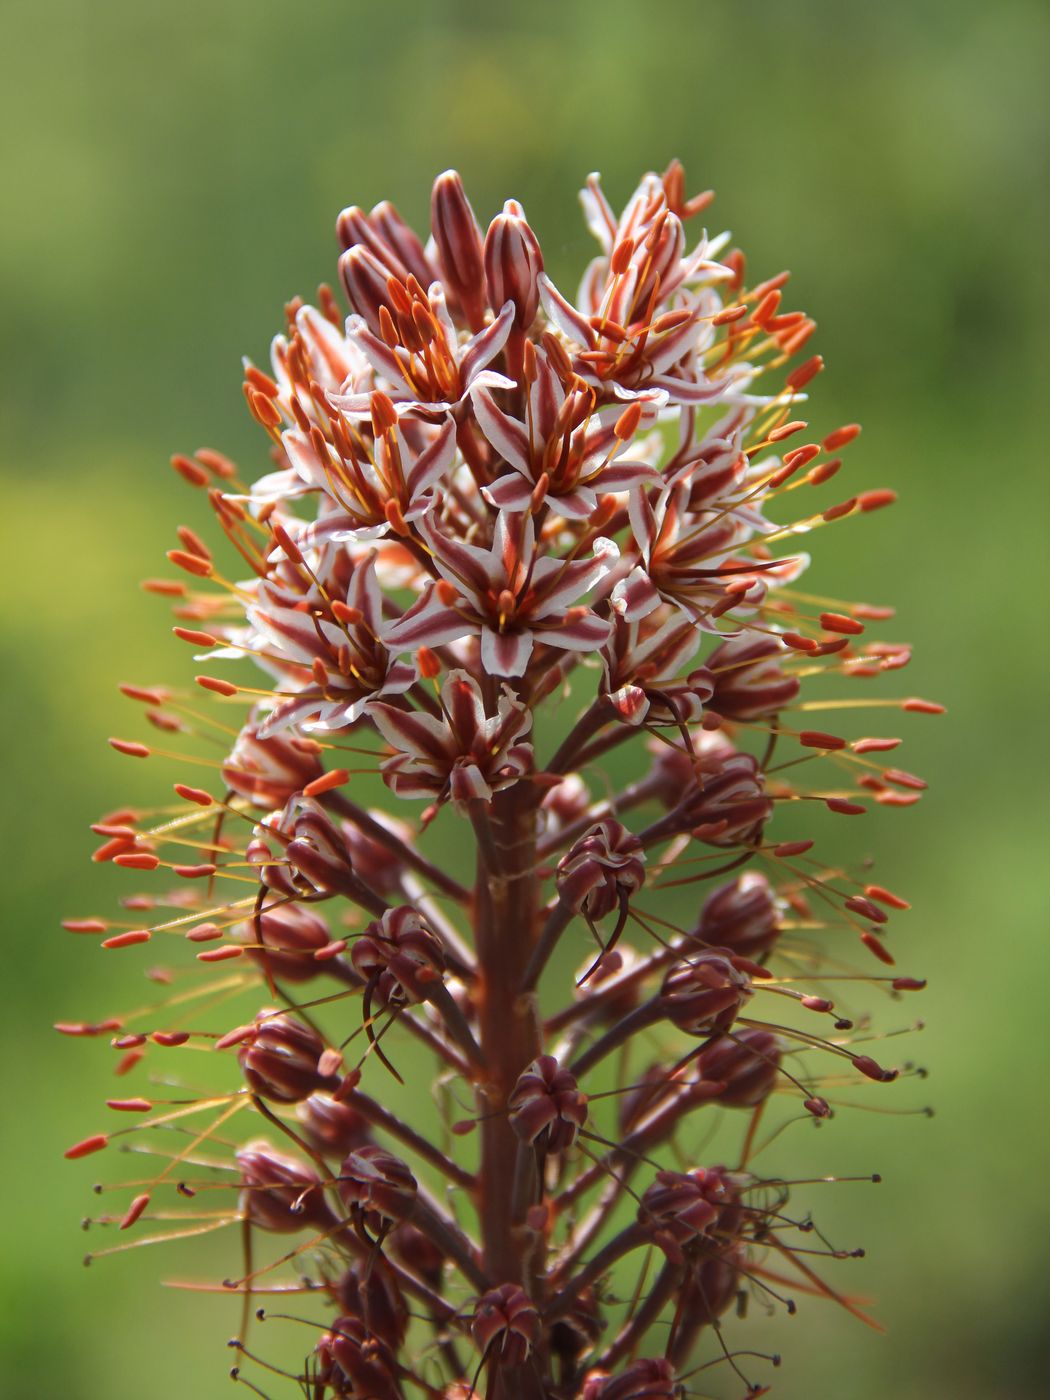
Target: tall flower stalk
[{"x": 526, "y": 568}]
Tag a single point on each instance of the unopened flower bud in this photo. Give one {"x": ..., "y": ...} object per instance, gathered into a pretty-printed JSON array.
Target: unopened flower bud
[
  {"x": 370, "y": 1291},
  {"x": 749, "y": 682},
  {"x": 513, "y": 263},
  {"x": 363, "y": 1364},
  {"x": 681, "y": 1208},
  {"x": 290, "y": 935},
  {"x": 458, "y": 240},
  {"x": 746, "y": 1065},
  {"x": 741, "y": 916},
  {"x": 279, "y": 1192},
  {"x": 332, "y": 1128},
  {"x": 365, "y": 280},
  {"x": 269, "y": 772},
  {"x": 607, "y": 983},
  {"x": 279, "y": 1061},
  {"x": 408, "y": 1244},
  {"x": 642, "y": 1380}
]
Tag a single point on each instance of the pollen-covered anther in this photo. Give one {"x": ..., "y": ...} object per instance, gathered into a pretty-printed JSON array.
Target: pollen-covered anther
[
  {"x": 505, "y": 1325},
  {"x": 547, "y": 1107}
]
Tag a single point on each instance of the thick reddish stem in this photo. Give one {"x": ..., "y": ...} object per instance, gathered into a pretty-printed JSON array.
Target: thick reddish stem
[{"x": 506, "y": 926}]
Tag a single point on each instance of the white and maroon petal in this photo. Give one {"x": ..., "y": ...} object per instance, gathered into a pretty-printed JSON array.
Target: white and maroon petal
[
  {"x": 428, "y": 622},
  {"x": 405, "y": 781},
  {"x": 511, "y": 493},
  {"x": 513, "y": 548},
  {"x": 433, "y": 462},
  {"x": 410, "y": 732},
  {"x": 463, "y": 705},
  {"x": 654, "y": 396},
  {"x": 363, "y": 593},
  {"x": 585, "y": 632},
  {"x": 674, "y": 345},
  {"x": 290, "y": 631},
  {"x": 289, "y": 712},
  {"x": 592, "y": 284},
  {"x": 304, "y": 460},
  {"x": 338, "y": 714},
  {"x": 277, "y": 486},
  {"x": 401, "y": 676},
  {"x": 599, "y": 217},
  {"x": 635, "y": 596},
  {"x": 507, "y": 435},
  {"x": 466, "y": 566},
  {"x": 491, "y": 379},
  {"x": 335, "y": 358},
  {"x": 560, "y": 583},
  {"x": 645, "y": 517},
  {"x": 564, "y": 315},
  {"x": 505, "y": 653},
  {"x": 483, "y": 348},
  {"x": 690, "y": 391},
  {"x": 630, "y": 703},
  {"x": 576, "y": 505},
  {"x": 512, "y": 719},
  {"x": 467, "y": 784},
  {"x": 379, "y": 355},
  {"x": 340, "y": 529},
  {"x": 625, "y": 475}
]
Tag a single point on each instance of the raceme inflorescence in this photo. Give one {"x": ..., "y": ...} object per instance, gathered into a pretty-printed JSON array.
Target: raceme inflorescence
[{"x": 498, "y": 956}]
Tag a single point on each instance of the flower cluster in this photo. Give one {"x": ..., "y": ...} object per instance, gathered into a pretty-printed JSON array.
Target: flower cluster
[{"x": 483, "y": 926}]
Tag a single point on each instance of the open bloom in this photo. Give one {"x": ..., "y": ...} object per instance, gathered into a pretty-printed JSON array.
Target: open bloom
[
  {"x": 488, "y": 1083},
  {"x": 508, "y": 595}
]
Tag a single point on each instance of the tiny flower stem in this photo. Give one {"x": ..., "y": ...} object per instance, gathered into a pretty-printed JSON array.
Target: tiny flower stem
[
  {"x": 648, "y": 1014},
  {"x": 381, "y": 1117},
  {"x": 337, "y": 802}
]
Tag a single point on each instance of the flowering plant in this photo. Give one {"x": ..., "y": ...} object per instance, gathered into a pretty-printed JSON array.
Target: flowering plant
[{"x": 521, "y": 560}]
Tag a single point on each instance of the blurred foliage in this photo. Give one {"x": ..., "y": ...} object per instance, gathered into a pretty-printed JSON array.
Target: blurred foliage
[{"x": 172, "y": 174}]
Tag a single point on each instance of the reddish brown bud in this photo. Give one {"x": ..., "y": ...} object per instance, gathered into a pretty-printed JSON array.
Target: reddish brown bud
[
  {"x": 459, "y": 248},
  {"x": 746, "y": 1065},
  {"x": 703, "y": 995},
  {"x": 546, "y": 1106},
  {"x": 513, "y": 263},
  {"x": 280, "y": 1061},
  {"x": 331, "y": 1127},
  {"x": 279, "y": 1192},
  {"x": 741, "y": 916}
]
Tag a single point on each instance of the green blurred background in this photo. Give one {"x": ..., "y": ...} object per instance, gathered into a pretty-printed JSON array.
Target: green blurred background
[{"x": 171, "y": 176}]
